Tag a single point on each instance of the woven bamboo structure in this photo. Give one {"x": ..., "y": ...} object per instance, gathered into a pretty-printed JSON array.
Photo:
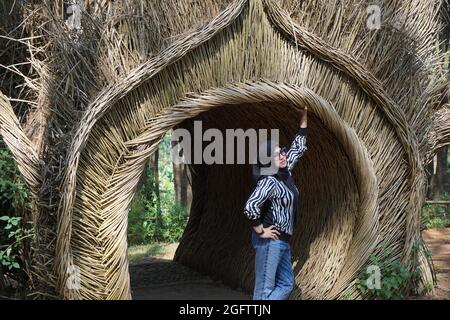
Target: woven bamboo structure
[{"x": 376, "y": 119}]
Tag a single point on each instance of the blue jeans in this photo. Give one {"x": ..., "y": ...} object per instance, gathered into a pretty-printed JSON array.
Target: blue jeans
[{"x": 274, "y": 278}]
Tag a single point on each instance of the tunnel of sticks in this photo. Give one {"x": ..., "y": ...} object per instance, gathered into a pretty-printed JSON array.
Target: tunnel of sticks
[
  {"x": 238, "y": 64},
  {"x": 217, "y": 239}
]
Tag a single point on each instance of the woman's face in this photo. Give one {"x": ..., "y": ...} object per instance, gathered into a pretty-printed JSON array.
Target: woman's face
[{"x": 280, "y": 157}]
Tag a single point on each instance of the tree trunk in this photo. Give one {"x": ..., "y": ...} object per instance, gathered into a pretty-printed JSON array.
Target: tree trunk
[
  {"x": 438, "y": 174},
  {"x": 188, "y": 176},
  {"x": 157, "y": 193},
  {"x": 184, "y": 187},
  {"x": 441, "y": 170},
  {"x": 180, "y": 182},
  {"x": 177, "y": 178}
]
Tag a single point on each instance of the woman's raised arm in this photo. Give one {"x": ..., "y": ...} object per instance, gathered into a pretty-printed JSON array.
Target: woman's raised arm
[{"x": 298, "y": 146}]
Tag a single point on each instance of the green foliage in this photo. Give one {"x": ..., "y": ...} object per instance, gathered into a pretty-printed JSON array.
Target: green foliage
[
  {"x": 395, "y": 278},
  {"x": 136, "y": 216},
  {"x": 153, "y": 226},
  {"x": 436, "y": 215},
  {"x": 9, "y": 252},
  {"x": 173, "y": 223},
  {"x": 147, "y": 226},
  {"x": 448, "y": 160},
  {"x": 12, "y": 192},
  {"x": 152, "y": 219},
  {"x": 176, "y": 223},
  {"x": 14, "y": 230}
]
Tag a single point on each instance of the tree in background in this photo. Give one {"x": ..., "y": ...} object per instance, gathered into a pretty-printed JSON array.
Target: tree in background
[
  {"x": 158, "y": 212},
  {"x": 438, "y": 169}
]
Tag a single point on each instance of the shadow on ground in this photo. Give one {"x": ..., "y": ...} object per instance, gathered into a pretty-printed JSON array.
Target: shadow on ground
[
  {"x": 164, "y": 279},
  {"x": 160, "y": 278}
]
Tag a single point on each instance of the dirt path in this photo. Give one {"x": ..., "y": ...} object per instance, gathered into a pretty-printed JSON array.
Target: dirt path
[
  {"x": 164, "y": 279},
  {"x": 438, "y": 241},
  {"x": 160, "y": 278}
]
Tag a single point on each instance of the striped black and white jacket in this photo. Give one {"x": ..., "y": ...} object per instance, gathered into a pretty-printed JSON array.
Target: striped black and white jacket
[{"x": 281, "y": 207}]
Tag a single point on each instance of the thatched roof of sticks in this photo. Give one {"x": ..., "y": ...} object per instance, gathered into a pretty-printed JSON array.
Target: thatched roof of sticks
[{"x": 135, "y": 71}]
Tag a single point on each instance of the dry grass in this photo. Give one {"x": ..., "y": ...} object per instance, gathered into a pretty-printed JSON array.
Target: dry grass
[{"x": 154, "y": 250}]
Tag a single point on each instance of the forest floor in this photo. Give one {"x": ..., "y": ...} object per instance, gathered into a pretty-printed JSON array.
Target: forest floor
[
  {"x": 158, "y": 277},
  {"x": 154, "y": 274},
  {"x": 438, "y": 242}
]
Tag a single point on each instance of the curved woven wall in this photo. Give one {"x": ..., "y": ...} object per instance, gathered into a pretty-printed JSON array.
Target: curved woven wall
[
  {"x": 252, "y": 65},
  {"x": 220, "y": 53},
  {"x": 349, "y": 218},
  {"x": 217, "y": 238}
]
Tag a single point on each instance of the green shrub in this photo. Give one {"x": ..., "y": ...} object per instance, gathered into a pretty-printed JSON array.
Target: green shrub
[
  {"x": 146, "y": 226},
  {"x": 175, "y": 223},
  {"x": 153, "y": 225},
  {"x": 396, "y": 280},
  {"x": 166, "y": 227},
  {"x": 15, "y": 235},
  {"x": 154, "y": 219},
  {"x": 136, "y": 217},
  {"x": 436, "y": 215},
  {"x": 13, "y": 194},
  {"x": 15, "y": 231}
]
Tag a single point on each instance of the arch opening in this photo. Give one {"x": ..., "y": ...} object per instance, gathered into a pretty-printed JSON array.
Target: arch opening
[
  {"x": 216, "y": 241},
  {"x": 346, "y": 204}
]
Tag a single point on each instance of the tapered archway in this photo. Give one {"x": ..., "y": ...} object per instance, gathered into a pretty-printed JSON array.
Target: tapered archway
[
  {"x": 348, "y": 225},
  {"x": 251, "y": 65}
]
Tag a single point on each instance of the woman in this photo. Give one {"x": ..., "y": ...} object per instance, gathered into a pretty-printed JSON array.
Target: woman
[{"x": 273, "y": 228}]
